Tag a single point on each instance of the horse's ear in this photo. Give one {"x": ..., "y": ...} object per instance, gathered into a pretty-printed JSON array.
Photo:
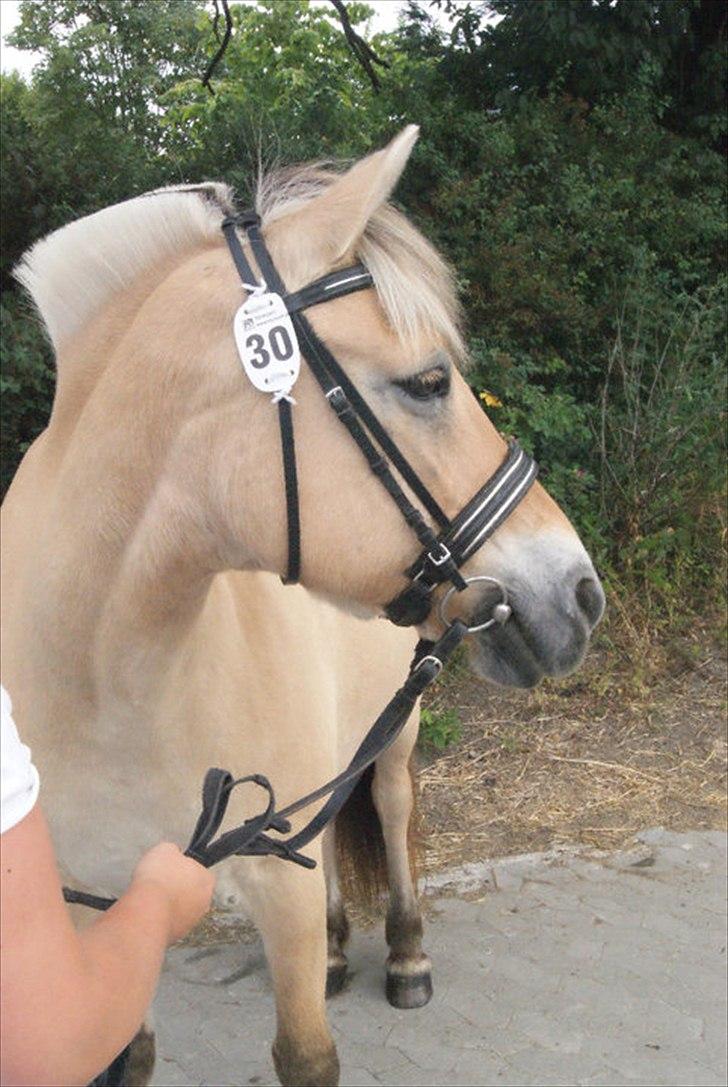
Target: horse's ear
[{"x": 331, "y": 223}]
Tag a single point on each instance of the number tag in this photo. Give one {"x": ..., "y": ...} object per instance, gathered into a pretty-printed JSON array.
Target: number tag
[{"x": 267, "y": 344}]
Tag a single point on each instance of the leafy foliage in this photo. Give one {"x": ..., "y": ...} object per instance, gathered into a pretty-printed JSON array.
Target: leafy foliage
[
  {"x": 439, "y": 728},
  {"x": 568, "y": 165},
  {"x": 662, "y": 440},
  {"x": 27, "y": 382},
  {"x": 595, "y": 50}
]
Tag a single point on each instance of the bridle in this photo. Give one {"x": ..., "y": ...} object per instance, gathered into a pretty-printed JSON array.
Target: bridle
[{"x": 443, "y": 553}]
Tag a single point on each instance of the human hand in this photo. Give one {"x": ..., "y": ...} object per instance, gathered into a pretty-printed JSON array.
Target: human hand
[{"x": 186, "y": 885}]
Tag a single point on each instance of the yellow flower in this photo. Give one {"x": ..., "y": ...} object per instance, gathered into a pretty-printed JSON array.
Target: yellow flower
[{"x": 490, "y": 400}]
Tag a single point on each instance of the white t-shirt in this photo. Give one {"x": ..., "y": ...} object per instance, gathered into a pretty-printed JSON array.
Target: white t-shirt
[{"x": 19, "y": 781}]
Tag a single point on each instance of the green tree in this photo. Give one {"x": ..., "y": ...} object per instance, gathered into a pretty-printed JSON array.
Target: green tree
[
  {"x": 597, "y": 49},
  {"x": 287, "y": 89},
  {"x": 88, "y": 131},
  {"x": 112, "y": 58}
]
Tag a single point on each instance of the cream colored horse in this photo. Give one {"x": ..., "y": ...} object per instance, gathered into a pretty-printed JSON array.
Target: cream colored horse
[{"x": 146, "y": 633}]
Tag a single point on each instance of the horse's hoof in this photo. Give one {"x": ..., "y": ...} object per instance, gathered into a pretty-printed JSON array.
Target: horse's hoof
[
  {"x": 336, "y": 978},
  {"x": 409, "y": 990}
]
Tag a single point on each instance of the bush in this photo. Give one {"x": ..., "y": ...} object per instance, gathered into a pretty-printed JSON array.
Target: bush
[
  {"x": 662, "y": 446},
  {"x": 639, "y": 468},
  {"x": 27, "y": 381}
]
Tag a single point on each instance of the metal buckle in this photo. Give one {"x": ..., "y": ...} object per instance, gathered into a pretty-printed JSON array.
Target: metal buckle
[
  {"x": 338, "y": 402},
  {"x": 501, "y": 611},
  {"x": 445, "y": 555},
  {"x": 429, "y": 657}
]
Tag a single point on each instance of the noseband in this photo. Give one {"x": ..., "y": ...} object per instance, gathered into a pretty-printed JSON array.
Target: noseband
[{"x": 442, "y": 553}]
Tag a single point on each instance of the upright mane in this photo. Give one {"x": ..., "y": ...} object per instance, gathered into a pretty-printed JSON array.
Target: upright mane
[{"x": 72, "y": 272}]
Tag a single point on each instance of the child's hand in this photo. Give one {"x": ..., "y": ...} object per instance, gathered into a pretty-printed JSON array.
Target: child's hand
[{"x": 186, "y": 884}]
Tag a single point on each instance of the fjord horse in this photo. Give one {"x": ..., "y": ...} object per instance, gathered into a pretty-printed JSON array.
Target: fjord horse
[{"x": 147, "y": 635}]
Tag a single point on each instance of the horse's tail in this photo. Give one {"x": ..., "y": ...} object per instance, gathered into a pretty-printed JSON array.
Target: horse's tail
[{"x": 360, "y": 852}]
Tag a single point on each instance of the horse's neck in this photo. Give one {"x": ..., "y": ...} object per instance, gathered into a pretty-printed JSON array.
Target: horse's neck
[{"x": 102, "y": 596}]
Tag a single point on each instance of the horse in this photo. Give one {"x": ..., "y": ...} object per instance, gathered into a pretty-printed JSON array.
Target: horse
[{"x": 147, "y": 634}]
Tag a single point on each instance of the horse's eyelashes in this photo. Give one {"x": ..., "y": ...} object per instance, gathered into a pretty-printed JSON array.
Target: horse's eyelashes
[{"x": 428, "y": 385}]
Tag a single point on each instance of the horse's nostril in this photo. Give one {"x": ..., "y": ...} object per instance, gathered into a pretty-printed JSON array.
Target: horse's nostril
[{"x": 590, "y": 599}]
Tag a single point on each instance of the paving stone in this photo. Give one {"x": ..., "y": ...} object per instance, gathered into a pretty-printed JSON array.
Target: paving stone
[
  {"x": 481, "y": 1066},
  {"x": 548, "y": 1032},
  {"x": 533, "y": 1065},
  {"x": 170, "y": 1074},
  {"x": 586, "y": 972},
  {"x": 662, "y": 1068},
  {"x": 382, "y": 1061},
  {"x": 358, "y": 1077}
]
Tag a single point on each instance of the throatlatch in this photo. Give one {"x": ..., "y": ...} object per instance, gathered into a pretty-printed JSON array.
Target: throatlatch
[{"x": 265, "y": 327}]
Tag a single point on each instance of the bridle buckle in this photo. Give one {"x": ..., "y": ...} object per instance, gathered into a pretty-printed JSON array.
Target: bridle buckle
[
  {"x": 338, "y": 401},
  {"x": 442, "y": 558},
  {"x": 435, "y": 660}
]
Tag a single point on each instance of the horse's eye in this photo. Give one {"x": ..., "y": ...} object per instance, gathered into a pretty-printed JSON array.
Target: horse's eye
[{"x": 428, "y": 385}]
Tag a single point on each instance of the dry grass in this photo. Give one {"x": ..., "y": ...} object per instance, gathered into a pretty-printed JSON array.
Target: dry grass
[{"x": 636, "y": 739}]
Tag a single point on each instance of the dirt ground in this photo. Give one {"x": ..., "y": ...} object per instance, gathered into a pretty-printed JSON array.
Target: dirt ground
[{"x": 637, "y": 738}]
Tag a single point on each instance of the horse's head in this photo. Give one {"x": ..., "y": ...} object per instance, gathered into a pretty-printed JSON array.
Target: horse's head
[
  {"x": 199, "y": 449},
  {"x": 399, "y": 343}
]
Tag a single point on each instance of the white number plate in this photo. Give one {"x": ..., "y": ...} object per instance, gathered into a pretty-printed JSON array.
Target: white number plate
[{"x": 267, "y": 344}]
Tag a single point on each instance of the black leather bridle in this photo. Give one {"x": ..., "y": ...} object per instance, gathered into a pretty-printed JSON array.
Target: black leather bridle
[{"x": 443, "y": 554}]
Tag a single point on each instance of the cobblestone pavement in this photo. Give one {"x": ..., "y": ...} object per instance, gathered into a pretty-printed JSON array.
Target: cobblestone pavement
[{"x": 549, "y": 969}]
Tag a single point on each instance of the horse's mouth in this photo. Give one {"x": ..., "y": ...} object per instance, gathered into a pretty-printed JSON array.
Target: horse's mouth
[
  {"x": 511, "y": 656},
  {"x": 503, "y": 657}
]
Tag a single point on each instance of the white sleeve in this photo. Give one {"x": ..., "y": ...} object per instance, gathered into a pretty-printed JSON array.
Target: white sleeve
[{"x": 19, "y": 781}]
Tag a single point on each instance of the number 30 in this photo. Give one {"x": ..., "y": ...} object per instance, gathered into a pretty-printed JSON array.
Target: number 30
[{"x": 279, "y": 343}]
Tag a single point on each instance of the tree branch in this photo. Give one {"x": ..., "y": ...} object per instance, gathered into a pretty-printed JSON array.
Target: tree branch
[
  {"x": 223, "y": 44},
  {"x": 360, "y": 48}
]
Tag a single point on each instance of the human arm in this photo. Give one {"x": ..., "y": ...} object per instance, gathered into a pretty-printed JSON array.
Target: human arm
[{"x": 71, "y": 1001}]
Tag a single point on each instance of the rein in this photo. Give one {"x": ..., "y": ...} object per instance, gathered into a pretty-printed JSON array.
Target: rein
[
  {"x": 444, "y": 552},
  {"x": 251, "y": 839}
]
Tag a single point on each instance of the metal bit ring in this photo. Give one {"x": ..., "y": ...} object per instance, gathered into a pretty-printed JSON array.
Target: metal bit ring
[{"x": 501, "y": 610}]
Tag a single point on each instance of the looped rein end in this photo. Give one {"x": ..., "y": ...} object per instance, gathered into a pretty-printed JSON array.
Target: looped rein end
[
  {"x": 246, "y": 839},
  {"x": 251, "y": 839}
]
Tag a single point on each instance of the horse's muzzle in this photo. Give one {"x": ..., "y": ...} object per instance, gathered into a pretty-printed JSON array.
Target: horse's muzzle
[{"x": 542, "y": 636}]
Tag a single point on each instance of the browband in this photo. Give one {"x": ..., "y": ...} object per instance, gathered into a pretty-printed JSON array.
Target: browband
[{"x": 331, "y": 286}]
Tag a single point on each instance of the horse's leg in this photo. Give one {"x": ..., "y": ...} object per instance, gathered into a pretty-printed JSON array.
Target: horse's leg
[
  {"x": 134, "y": 1066},
  {"x": 409, "y": 978},
  {"x": 142, "y": 1054},
  {"x": 288, "y": 904},
  {"x": 337, "y": 923}
]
